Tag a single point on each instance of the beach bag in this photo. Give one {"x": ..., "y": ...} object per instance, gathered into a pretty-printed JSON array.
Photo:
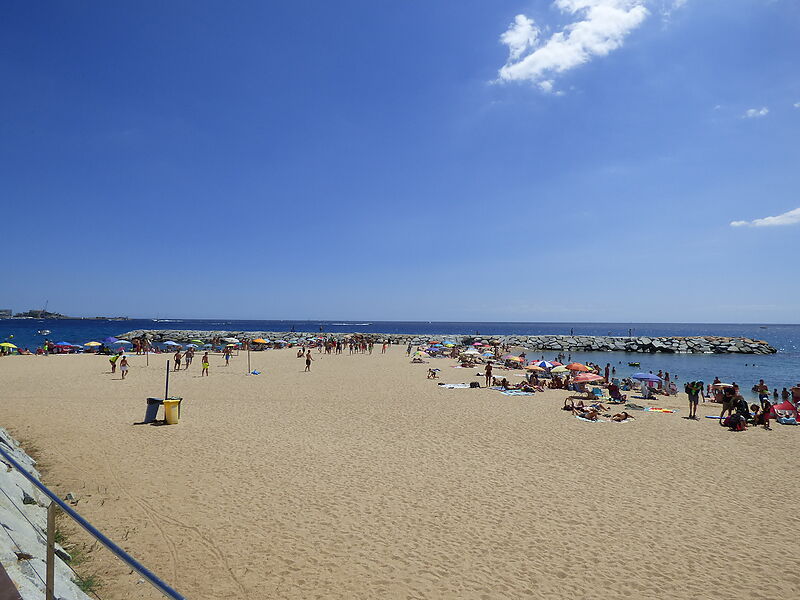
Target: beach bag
[{"x": 474, "y": 384}]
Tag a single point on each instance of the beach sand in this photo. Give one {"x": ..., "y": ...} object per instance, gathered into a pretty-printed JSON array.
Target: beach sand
[{"x": 363, "y": 479}]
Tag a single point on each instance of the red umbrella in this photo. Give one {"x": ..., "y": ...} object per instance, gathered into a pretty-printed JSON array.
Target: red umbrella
[{"x": 586, "y": 378}]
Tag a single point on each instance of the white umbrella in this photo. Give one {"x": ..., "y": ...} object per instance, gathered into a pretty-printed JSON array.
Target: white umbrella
[{"x": 231, "y": 340}]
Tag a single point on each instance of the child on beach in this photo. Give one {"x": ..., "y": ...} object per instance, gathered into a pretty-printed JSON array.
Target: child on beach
[
  {"x": 123, "y": 366},
  {"x": 205, "y": 365}
]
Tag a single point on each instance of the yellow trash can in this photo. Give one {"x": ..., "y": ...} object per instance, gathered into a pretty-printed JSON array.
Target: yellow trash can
[{"x": 172, "y": 411}]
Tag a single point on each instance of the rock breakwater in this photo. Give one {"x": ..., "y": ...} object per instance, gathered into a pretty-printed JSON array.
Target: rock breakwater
[{"x": 568, "y": 343}]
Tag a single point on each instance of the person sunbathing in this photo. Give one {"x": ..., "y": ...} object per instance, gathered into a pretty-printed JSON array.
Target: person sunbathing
[
  {"x": 570, "y": 407},
  {"x": 598, "y": 406},
  {"x": 589, "y": 414},
  {"x": 619, "y": 417}
]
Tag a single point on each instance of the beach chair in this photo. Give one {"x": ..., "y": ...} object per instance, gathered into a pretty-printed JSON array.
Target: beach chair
[{"x": 599, "y": 393}]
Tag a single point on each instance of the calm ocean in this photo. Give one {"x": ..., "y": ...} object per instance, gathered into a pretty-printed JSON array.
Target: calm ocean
[{"x": 778, "y": 370}]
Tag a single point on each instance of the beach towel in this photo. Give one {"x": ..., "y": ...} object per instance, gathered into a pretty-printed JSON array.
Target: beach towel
[
  {"x": 661, "y": 410},
  {"x": 453, "y": 386},
  {"x": 633, "y": 406},
  {"x": 516, "y": 393}
]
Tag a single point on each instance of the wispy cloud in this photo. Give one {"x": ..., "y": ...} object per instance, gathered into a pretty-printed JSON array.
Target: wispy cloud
[
  {"x": 796, "y": 104},
  {"x": 601, "y": 26},
  {"x": 788, "y": 218},
  {"x": 755, "y": 113}
]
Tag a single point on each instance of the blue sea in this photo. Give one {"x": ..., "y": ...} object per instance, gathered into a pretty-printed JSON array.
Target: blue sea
[{"x": 778, "y": 370}]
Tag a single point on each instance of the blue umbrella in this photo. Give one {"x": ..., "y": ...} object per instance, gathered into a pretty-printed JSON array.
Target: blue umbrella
[
  {"x": 121, "y": 342},
  {"x": 64, "y": 344},
  {"x": 646, "y": 377},
  {"x": 171, "y": 343},
  {"x": 109, "y": 340},
  {"x": 192, "y": 346}
]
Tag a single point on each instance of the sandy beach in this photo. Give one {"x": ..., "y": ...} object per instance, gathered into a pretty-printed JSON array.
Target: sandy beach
[{"x": 364, "y": 479}]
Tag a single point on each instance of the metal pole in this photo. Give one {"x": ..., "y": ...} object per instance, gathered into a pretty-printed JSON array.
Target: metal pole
[
  {"x": 166, "y": 386},
  {"x": 51, "y": 551}
]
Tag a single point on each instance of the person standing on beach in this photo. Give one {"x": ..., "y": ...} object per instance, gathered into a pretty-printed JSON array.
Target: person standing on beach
[
  {"x": 205, "y": 365},
  {"x": 177, "y": 358},
  {"x": 123, "y": 366},
  {"x": 608, "y": 371},
  {"x": 383, "y": 349},
  {"x": 113, "y": 360},
  {"x": 227, "y": 355},
  {"x": 408, "y": 350},
  {"x": 488, "y": 374},
  {"x": 692, "y": 389},
  {"x": 309, "y": 358},
  {"x": 188, "y": 357}
]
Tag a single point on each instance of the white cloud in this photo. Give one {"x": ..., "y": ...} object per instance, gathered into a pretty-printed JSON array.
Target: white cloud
[
  {"x": 755, "y": 113},
  {"x": 601, "y": 27},
  {"x": 788, "y": 218},
  {"x": 796, "y": 105},
  {"x": 520, "y": 36}
]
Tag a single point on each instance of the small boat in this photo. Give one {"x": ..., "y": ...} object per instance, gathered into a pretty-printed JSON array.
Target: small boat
[
  {"x": 634, "y": 365},
  {"x": 44, "y": 332}
]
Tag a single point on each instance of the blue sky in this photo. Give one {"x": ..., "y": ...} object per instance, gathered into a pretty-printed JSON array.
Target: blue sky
[{"x": 567, "y": 160}]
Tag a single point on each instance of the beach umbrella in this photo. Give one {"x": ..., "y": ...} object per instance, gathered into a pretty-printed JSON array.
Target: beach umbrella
[
  {"x": 544, "y": 363},
  {"x": 64, "y": 344},
  {"x": 432, "y": 342},
  {"x": 93, "y": 344},
  {"x": 472, "y": 352},
  {"x": 513, "y": 358},
  {"x": 488, "y": 354},
  {"x": 721, "y": 385},
  {"x": 534, "y": 368},
  {"x": 232, "y": 340},
  {"x": 421, "y": 354},
  {"x": 192, "y": 346},
  {"x": 478, "y": 344},
  {"x": 260, "y": 341},
  {"x": 577, "y": 367},
  {"x": 7, "y": 345},
  {"x": 109, "y": 340},
  {"x": 556, "y": 363},
  {"x": 171, "y": 343},
  {"x": 449, "y": 344},
  {"x": 559, "y": 369},
  {"x": 587, "y": 377},
  {"x": 646, "y": 377},
  {"x": 197, "y": 342},
  {"x": 121, "y": 342}
]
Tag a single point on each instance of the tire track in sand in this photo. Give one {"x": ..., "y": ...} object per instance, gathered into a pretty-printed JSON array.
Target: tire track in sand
[{"x": 145, "y": 508}]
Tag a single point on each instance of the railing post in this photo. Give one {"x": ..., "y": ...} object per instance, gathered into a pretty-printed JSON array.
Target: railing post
[{"x": 51, "y": 551}]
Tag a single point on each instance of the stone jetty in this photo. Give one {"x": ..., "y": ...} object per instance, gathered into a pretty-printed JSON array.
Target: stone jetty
[{"x": 567, "y": 343}]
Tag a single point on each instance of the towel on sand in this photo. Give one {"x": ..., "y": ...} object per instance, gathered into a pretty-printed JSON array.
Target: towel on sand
[{"x": 453, "y": 386}]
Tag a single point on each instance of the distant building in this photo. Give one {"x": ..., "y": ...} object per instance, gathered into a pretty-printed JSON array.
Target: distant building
[{"x": 5, "y": 313}]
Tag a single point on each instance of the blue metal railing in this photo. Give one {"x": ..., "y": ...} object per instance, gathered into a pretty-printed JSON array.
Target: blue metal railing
[{"x": 119, "y": 552}]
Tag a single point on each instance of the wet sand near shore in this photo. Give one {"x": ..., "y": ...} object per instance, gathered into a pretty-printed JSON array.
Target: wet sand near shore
[{"x": 363, "y": 479}]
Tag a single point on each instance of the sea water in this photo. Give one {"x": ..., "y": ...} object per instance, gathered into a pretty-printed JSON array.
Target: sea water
[{"x": 777, "y": 370}]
